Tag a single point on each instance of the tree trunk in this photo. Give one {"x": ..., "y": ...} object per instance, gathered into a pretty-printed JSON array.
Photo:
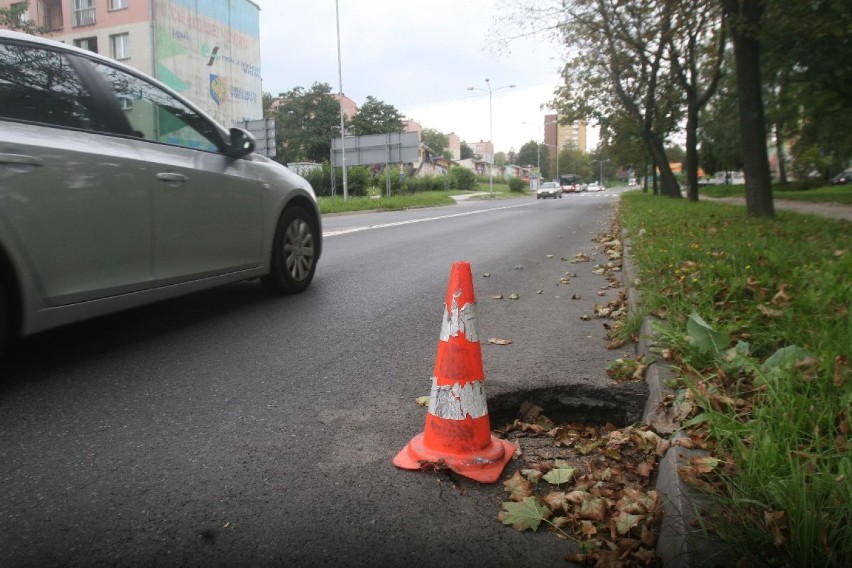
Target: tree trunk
[
  {"x": 745, "y": 16},
  {"x": 779, "y": 150},
  {"x": 692, "y": 151},
  {"x": 668, "y": 183}
]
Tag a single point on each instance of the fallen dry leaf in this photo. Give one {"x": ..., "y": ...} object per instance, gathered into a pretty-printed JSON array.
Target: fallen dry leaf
[{"x": 497, "y": 341}]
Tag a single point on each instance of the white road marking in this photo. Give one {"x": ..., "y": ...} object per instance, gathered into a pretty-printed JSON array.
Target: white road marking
[{"x": 412, "y": 221}]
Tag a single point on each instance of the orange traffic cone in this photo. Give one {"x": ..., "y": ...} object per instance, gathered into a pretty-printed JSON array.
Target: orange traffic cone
[{"x": 458, "y": 431}]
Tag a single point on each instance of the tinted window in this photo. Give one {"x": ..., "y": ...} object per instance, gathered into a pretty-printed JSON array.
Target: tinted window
[
  {"x": 158, "y": 116},
  {"x": 39, "y": 85}
]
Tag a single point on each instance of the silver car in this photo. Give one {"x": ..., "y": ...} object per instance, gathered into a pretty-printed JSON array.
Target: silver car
[
  {"x": 549, "y": 189},
  {"x": 116, "y": 192}
]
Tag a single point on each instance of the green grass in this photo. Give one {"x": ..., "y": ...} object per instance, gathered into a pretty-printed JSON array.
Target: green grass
[
  {"x": 783, "y": 429},
  {"x": 409, "y": 201},
  {"x": 394, "y": 203},
  {"x": 831, "y": 193}
]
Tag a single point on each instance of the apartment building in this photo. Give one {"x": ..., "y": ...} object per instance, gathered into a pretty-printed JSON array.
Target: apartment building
[
  {"x": 207, "y": 50},
  {"x": 558, "y": 136}
]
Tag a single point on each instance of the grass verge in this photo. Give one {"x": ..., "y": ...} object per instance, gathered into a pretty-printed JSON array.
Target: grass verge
[
  {"x": 756, "y": 318},
  {"x": 409, "y": 201},
  {"x": 394, "y": 203}
]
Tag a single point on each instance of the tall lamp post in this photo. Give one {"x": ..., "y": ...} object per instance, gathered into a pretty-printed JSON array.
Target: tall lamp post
[
  {"x": 342, "y": 129},
  {"x": 601, "y": 162},
  {"x": 491, "y": 123}
]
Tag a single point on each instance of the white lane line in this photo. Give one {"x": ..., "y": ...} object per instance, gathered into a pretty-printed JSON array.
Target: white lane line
[{"x": 412, "y": 221}]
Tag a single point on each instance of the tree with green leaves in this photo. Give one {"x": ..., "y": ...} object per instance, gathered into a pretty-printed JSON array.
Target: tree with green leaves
[
  {"x": 466, "y": 152},
  {"x": 697, "y": 45},
  {"x": 15, "y": 18},
  {"x": 619, "y": 136},
  {"x": 376, "y": 117},
  {"x": 436, "y": 141},
  {"x": 573, "y": 161},
  {"x": 719, "y": 137},
  {"x": 305, "y": 123},
  {"x": 806, "y": 65},
  {"x": 621, "y": 66},
  {"x": 533, "y": 154},
  {"x": 266, "y": 104}
]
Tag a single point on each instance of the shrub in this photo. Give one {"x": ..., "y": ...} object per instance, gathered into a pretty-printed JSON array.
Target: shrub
[
  {"x": 517, "y": 185},
  {"x": 428, "y": 183},
  {"x": 462, "y": 178},
  {"x": 359, "y": 179},
  {"x": 320, "y": 179}
]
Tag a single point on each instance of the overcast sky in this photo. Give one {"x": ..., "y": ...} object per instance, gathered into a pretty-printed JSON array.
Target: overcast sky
[{"x": 419, "y": 56}]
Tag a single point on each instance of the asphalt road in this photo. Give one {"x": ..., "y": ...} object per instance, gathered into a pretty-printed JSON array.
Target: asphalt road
[{"x": 233, "y": 428}]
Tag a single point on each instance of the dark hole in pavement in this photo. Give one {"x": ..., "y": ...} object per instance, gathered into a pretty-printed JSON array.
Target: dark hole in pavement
[{"x": 618, "y": 404}]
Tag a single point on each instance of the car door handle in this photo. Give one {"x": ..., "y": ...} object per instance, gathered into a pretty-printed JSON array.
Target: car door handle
[
  {"x": 172, "y": 179},
  {"x": 19, "y": 159}
]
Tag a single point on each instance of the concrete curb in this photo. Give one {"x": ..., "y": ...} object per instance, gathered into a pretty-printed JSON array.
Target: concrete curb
[{"x": 680, "y": 544}]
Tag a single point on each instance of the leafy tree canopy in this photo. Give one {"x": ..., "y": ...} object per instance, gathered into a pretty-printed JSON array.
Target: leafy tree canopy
[
  {"x": 434, "y": 139},
  {"x": 376, "y": 117},
  {"x": 466, "y": 151},
  {"x": 305, "y": 124},
  {"x": 14, "y": 18}
]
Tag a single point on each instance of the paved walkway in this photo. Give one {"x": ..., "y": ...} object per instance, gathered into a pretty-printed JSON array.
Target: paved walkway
[{"x": 836, "y": 210}]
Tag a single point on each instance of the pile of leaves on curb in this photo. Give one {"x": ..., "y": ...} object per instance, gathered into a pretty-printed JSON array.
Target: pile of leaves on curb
[{"x": 589, "y": 484}]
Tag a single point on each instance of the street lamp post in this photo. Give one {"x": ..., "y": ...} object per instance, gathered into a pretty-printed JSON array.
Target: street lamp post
[
  {"x": 491, "y": 123},
  {"x": 601, "y": 163},
  {"x": 342, "y": 129}
]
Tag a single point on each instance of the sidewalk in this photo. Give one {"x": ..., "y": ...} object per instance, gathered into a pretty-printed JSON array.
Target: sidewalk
[{"x": 835, "y": 210}]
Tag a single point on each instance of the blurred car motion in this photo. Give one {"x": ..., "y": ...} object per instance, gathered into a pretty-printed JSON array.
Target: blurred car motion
[{"x": 116, "y": 192}]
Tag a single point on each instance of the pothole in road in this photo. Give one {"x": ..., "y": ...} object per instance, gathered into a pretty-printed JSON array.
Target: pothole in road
[
  {"x": 584, "y": 468},
  {"x": 617, "y": 404}
]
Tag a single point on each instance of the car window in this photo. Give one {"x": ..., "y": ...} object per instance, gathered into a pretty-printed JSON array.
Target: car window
[
  {"x": 156, "y": 115},
  {"x": 40, "y": 85}
]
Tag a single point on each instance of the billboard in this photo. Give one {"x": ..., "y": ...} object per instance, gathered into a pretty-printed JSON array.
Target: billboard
[
  {"x": 376, "y": 149},
  {"x": 209, "y": 51}
]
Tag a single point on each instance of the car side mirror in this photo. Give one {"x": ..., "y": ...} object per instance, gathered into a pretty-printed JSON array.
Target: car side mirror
[{"x": 242, "y": 143}]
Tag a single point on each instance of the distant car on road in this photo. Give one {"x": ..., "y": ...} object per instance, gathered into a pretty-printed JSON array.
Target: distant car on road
[
  {"x": 595, "y": 186},
  {"x": 549, "y": 189},
  {"x": 116, "y": 192},
  {"x": 842, "y": 178}
]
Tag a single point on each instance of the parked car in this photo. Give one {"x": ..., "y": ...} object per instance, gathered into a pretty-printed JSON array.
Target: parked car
[
  {"x": 842, "y": 178},
  {"x": 117, "y": 192},
  {"x": 549, "y": 189}
]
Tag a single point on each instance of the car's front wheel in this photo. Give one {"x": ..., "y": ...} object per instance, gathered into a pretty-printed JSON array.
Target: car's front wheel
[{"x": 294, "y": 253}]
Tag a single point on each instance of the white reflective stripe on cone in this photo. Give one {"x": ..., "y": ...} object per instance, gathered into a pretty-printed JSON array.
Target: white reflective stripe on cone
[
  {"x": 456, "y": 402},
  {"x": 459, "y": 321}
]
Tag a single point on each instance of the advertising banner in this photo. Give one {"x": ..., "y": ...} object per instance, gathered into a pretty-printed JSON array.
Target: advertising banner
[{"x": 209, "y": 51}]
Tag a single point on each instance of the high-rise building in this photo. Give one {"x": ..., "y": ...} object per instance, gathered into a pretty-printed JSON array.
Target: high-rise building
[
  {"x": 558, "y": 136},
  {"x": 207, "y": 50}
]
